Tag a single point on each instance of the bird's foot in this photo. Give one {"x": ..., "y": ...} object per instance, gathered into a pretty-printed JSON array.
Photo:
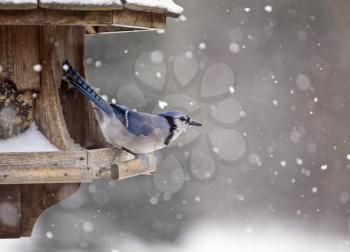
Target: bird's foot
[{"x": 142, "y": 157}]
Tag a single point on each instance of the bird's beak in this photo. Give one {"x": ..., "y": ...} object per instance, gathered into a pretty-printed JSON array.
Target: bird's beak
[{"x": 194, "y": 123}]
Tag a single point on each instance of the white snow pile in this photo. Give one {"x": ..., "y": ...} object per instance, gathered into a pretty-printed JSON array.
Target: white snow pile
[
  {"x": 32, "y": 140},
  {"x": 152, "y": 5},
  {"x": 205, "y": 237},
  {"x": 209, "y": 237}
]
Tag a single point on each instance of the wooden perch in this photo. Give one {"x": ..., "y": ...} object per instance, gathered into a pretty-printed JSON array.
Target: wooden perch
[{"x": 71, "y": 166}]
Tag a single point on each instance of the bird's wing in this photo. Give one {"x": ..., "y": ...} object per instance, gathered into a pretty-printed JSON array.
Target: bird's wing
[{"x": 136, "y": 123}]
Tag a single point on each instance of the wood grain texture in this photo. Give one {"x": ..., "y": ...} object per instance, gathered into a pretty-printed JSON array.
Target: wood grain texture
[
  {"x": 50, "y": 45},
  {"x": 120, "y": 18},
  {"x": 56, "y": 167},
  {"x": 77, "y": 121},
  {"x": 50, "y": 120},
  {"x": 17, "y": 65},
  {"x": 71, "y": 166},
  {"x": 55, "y": 17},
  {"x": 78, "y": 112},
  {"x": 48, "y": 112},
  {"x": 158, "y": 21},
  {"x": 135, "y": 19},
  {"x": 16, "y": 60}
]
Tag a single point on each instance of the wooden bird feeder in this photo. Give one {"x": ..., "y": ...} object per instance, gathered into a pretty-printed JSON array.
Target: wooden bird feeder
[{"x": 46, "y": 32}]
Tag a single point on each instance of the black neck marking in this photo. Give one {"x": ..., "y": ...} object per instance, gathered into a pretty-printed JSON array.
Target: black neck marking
[{"x": 173, "y": 127}]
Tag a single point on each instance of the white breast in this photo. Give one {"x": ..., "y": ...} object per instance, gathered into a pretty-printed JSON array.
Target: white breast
[{"x": 117, "y": 135}]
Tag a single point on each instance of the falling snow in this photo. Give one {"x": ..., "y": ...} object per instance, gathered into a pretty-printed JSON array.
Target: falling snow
[
  {"x": 247, "y": 9},
  {"x": 98, "y": 63},
  {"x": 269, "y": 81},
  {"x": 49, "y": 235},
  {"x": 37, "y": 68},
  {"x": 202, "y": 46},
  {"x": 162, "y": 104},
  {"x": 268, "y": 8},
  {"x": 235, "y": 48}
]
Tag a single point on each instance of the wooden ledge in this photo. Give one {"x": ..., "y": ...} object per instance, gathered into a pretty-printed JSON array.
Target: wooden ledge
[{"x": 71, "y": 166}]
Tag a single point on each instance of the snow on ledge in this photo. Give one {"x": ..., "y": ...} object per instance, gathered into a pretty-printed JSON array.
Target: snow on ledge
[
  {"x": 32, "y": 140},
  {"x": 156, "y": 6}
]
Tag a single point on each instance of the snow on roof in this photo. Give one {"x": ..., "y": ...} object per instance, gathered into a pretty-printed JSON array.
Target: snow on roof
[
  {"x": 157, "y": 6},
  {"x": 18, "y": 4},
  {"x": 167, "y": 7},
  {"x": 82, "y": 4},
  {"x": 32, "y": 140}
]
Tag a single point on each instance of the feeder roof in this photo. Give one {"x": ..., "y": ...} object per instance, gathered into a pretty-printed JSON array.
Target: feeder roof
[{"x": 165, "y": 7}]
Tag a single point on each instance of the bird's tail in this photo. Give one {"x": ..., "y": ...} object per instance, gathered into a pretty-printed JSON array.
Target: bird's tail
[{"x": 79, "y": 83}]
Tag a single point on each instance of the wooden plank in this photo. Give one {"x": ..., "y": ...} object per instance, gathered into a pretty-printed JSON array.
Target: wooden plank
[
  {"x": 127, "y": 17},
  {"x": 122, "y": 18},
  {"x": 136, "y": 19},
  {"x": 144, "y": 20},
  {"x": 55, "y": 17},
  {"x": 71, "y": 166},
  {"x": 158, "y": 21},
  {"x": 10, "y": 211},
  {"x": 16, "y": 60},
  {"x": 55, "y": 167}
]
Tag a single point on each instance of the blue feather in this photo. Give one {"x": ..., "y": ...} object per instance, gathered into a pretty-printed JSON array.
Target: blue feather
[
  {"x": 136, "y": 123},
  {"x": 122, "y": 113},
  {"x": 79, "y": 83}
]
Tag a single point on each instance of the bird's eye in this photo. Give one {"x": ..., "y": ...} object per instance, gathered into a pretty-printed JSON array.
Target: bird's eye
[{"x": 182, "y": 118}]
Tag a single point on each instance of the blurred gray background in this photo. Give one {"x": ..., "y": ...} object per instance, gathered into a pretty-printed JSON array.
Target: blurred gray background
[{"x": 270, "y": 81}]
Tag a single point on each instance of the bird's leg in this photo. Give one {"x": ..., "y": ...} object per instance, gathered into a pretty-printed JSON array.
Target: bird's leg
[
  {"x": 143, "y": 157},
  {"x": 129, "y": 151}
]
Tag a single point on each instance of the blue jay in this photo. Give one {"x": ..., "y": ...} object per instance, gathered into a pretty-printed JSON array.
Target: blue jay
[{"x": 136, "y": 132}]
